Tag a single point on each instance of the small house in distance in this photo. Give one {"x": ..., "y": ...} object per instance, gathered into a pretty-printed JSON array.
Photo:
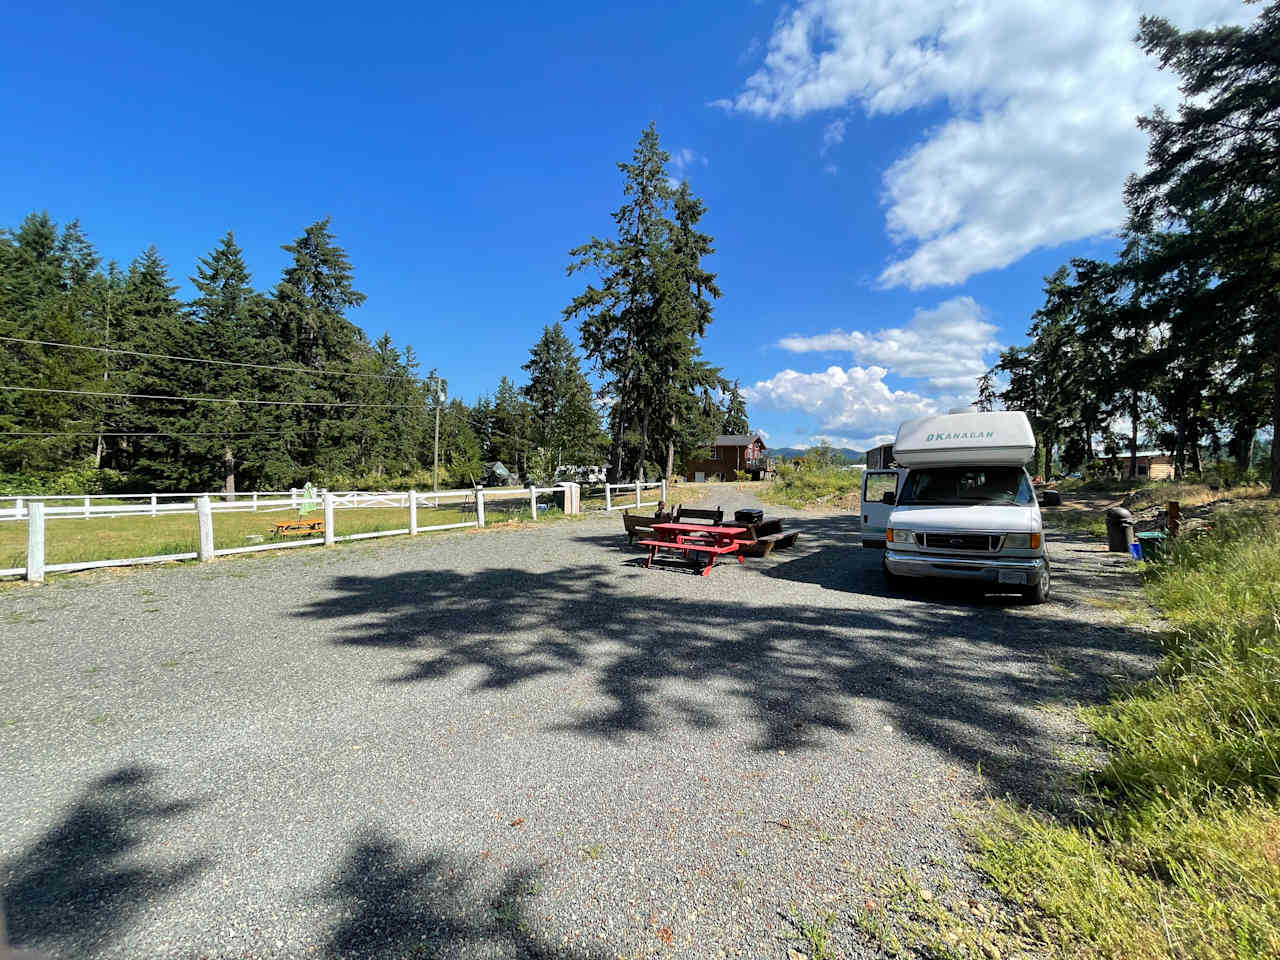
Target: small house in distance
[
  {"x": 728, "y": 454},
  {"x": 1151, "y": 463}
]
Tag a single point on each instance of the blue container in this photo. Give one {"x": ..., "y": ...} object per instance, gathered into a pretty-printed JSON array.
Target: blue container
[{"x": 1135, "y": 550}]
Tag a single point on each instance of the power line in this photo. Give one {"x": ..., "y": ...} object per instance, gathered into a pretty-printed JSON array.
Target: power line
[
  {"x": 161, "y": 396},
  {"x": 224, "y": 363},
  {"x": 160, "y": 433}
]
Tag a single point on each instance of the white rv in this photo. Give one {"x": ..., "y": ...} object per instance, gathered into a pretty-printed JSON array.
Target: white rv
[{"x": 960, "y": 505}]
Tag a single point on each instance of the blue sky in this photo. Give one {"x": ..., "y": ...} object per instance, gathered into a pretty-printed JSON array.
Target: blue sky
[{"x": 887, "y": 183}]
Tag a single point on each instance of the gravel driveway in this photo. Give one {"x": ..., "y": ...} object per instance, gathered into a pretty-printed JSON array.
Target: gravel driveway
[{"x": 515, "y": 743}]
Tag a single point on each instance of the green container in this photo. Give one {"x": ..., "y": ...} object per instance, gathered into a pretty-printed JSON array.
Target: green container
[{"x": 1153, "y": 544}]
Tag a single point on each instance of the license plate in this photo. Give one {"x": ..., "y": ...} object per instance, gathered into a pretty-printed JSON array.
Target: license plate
[{"x": 1013, "y": 576}]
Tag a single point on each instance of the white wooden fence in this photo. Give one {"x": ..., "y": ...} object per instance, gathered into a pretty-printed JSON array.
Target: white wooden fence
[
  {"x": 160, "y": 504},
  {"x": 614, "y": 502},
  {"x": 37, "y": 510}
]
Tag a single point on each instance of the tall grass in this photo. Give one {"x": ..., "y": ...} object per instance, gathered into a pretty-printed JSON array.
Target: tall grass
[
  {"x": 1177, "y": 850},
  {"x": 802, "y": 487}
]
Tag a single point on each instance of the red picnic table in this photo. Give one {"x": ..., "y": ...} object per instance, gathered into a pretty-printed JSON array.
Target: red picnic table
[{"x": 694, "y": 539}]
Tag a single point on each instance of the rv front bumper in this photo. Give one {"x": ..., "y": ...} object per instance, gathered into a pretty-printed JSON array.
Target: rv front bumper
[{"x": 1016, "y": 570}]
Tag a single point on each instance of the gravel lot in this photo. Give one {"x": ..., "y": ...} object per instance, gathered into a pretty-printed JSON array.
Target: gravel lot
[{"x": 517, "y": 743}]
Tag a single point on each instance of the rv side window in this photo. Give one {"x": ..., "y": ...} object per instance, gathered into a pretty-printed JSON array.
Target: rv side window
[
  {"x": 878, "y": 484},
  {"x": 967, "y": 485}
]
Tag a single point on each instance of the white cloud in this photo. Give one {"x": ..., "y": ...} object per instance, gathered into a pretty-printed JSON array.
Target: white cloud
[
  {"x": 856, "y": 403},
  {"x": 1043, "y": 97},
  {"x": 855, "y": 443},
  {"x": 683, "y": 160},
  {"x": 833, "y": 135},
  {"x": 947, "y": 346}
]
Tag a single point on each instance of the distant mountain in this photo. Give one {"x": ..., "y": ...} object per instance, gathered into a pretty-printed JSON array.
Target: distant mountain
[{"x": 787, "y": 453}]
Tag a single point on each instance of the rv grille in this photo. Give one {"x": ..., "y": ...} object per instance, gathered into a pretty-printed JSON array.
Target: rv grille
[{"x": 961, "y": 541}]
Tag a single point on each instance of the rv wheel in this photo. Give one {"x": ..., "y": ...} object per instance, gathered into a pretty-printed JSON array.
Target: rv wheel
[{"x": 1040, "y": 592}]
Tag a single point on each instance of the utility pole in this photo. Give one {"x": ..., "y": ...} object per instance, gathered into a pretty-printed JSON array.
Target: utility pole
[{"x": 437, "y": 389}]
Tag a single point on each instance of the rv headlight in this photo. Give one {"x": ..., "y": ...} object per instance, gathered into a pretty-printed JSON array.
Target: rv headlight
[
  {"x": 900, "y": 536},
  {"x": 1022, "y": 541}
]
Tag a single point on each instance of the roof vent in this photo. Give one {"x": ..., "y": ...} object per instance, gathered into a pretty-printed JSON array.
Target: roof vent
[{"x": 963, "y": 410}]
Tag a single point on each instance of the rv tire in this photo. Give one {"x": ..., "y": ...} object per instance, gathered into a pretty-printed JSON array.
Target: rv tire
[{"x": 1040, "y": 592}]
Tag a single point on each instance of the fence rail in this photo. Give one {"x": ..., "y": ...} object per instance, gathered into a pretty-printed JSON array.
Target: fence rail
[
  {"x": 161, "y": 504},
  {"x": 37, "y": 510},
  {"x": 611, "y": 502}
]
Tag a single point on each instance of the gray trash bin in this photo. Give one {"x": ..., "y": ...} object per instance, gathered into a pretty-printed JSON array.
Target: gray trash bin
[{"x": 1119, "y": 530}]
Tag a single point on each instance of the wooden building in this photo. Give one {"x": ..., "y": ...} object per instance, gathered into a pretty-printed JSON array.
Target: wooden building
[
  {"x": 1151, "y": 463},
  {"x": 727, "y": 455}
]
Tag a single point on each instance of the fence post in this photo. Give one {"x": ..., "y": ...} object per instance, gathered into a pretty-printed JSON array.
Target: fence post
[
  {"x": 18, "y": 516},
  {"x": 153, "y": 504},
  {"x": 86, "y": 508},
  {"x": 637, "y": 494},
  {"x": 413, "y": 512},
  {"x": 328, "y": 518},
  {"x": 204, "y": 514},
  {"x": 533, "y": 501},
  {"x": 664, "y": 490},
  {"x": 608, "y": 505},
  {"x": 480, "y": 506},
  {"x": 35, "y": 541},
  {"x": 255, "y": 501}
]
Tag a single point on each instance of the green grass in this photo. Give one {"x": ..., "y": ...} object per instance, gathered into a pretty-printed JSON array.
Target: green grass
[
  {"x": 809, "y": 488},
  {"x": 1176, "y": 849},
  {"x": 72, "y": 539},
  {"x": 1077, "y": 521}
]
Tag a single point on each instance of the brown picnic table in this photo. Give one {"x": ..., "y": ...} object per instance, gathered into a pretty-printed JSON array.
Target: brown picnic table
[
  {"x": 282, "y": 528},
  {"x": 695, "y": 540}
]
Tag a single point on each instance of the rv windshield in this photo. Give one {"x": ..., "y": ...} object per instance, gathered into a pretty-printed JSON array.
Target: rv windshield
[{"x": 966, "y": 485}]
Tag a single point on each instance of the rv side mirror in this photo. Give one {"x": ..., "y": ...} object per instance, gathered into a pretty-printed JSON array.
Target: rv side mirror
[{"x": 889, "y": 497}]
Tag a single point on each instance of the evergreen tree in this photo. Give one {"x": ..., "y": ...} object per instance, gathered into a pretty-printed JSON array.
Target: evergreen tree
[
  {"x": 735, "y": 415},
  {"x": 460, "y": 452},
  {"x": 512, "y": 427},
  {"x": 229, "y": 320},
  {"x": 481, "y": 420},
  {"x": 565, "y": 421},
  {"x": 641, "y": 326},
  {"x": 151, "y": 321},
  {"x": 1211, "y": 183},
  {"x": 309, "y": 318}
]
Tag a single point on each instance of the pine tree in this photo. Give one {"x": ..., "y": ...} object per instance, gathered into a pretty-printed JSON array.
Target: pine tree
[
  {"x": 735, "y": 415},
  {"x": 309, "y": 318},
  {"x": 228, "y": 320},
  {"x": 512, "y": 427},
  {"x": 150, "y": 321},
  {"x": 641, "y": 326},
  {"x": 1211, "y": 182},
  {"x": 564, "y": 418}
]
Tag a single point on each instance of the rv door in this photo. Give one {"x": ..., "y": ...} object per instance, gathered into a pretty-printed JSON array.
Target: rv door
[{"x": 875, "y": 510}]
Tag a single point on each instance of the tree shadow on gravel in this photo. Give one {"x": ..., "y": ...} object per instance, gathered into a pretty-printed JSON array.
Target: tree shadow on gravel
[
  {"x": 394, "y": 905},
  {"x": 80, "y": 884},
  {"x": 795, "y": 664}
]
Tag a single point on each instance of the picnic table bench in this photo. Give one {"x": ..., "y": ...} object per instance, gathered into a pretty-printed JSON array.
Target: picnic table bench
[
  {"x": 283, "y": 528},
  {"x": 694, "y": 539},
  {"x": 761, "y": 538}
]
